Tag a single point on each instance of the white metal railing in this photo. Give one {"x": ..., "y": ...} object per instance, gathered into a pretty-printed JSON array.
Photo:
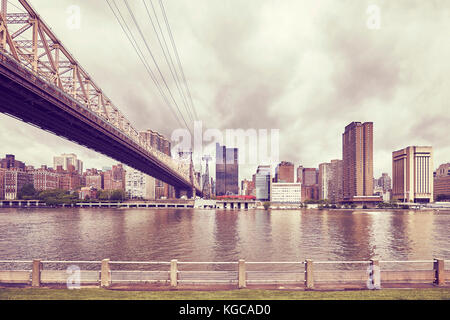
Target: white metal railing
[
  {"x": 206, "y": 262},
  {"x": 275, "y": 262},
  {"x": 406, "y": 261},
  {"x": 139, "y": 262},
  {"x": 341, "y": 262},
  {"x": 239, "y": 274},
  {"x": 73, "y": 262}
]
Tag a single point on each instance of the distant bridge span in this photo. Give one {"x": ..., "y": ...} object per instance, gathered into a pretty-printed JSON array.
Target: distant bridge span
[{"x": 43, "y": 85}]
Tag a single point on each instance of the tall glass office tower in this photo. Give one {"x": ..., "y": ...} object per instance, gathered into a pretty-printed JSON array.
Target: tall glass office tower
[{"x": 227, "y": 171}]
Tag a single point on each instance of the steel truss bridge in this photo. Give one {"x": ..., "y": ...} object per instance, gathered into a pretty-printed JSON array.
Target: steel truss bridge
[{"x": 42, "y": 84}]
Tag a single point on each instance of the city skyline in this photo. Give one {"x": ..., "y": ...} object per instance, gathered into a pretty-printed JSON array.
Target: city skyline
[
  {"x": 401, "y": 92},
  {"x": 324, "y": 183},
  {"x": 103, "y": 161},
  {"x": 101, "y": 165}
]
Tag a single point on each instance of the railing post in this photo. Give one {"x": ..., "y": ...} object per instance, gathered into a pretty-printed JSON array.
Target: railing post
[
  {"x": 105, "y": 273},
  {"x": 242, "y": 281},
  {"x": 439, "y": 272},
  {"x": 36, "y": 273},
  {"x": 376, "y": 274},
  {"x": 309, "y": 277},
  {"x": 173, "y": 273}
]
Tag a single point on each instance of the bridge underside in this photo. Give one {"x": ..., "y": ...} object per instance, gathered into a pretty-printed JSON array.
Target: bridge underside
[{"x": 22, "y": 98}]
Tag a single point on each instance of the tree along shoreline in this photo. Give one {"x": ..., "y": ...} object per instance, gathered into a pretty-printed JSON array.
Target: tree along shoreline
[{"x": 60, "y": 197}]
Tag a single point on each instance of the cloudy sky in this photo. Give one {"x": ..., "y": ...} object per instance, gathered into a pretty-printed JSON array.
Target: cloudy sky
[{"x": 307, "y": 68}]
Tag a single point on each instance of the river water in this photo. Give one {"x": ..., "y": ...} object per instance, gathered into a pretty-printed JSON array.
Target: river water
[{"x": 220, "y": 235}]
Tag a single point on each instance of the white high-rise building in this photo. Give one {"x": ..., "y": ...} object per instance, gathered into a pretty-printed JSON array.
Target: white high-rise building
[
  {"x": 68, "y": 159},
  {"x": 412, "y": 174},
  {"x": 283, "y": 192},
  {"x": 139, "y": 185},
  {"x": 262, "y": 182},
  {"x": 324, "y": 180}
]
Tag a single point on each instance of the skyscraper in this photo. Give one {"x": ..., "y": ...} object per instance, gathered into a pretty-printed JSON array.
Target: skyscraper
[
  {"x": 262, "y": 183},
  {"x": 412, "y": 174},
  {"x": 310, "y": 177},
  {"x": 357, "y": 154},
  {"x": 284, "y": 172},
  {"x": 227, "y": 171},
  {"x": 441, "y": 185},
  {"x": 139, "y": 185},
  {"x": 300, "y": 174},
  {"x": 335, "y": 190},
  {"x": 384, "y": 182},
  {"x": 324, "y": 180},
  {"x": 65, "y": 160}
]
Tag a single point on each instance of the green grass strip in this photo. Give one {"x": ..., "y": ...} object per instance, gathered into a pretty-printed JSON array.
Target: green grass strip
[{"x": 243, "y": 294}]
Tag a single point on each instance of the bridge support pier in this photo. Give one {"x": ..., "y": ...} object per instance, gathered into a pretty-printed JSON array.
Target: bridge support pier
[
  {"x": 177, "y": 193},
  {"x": 191, "y": 193}
]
